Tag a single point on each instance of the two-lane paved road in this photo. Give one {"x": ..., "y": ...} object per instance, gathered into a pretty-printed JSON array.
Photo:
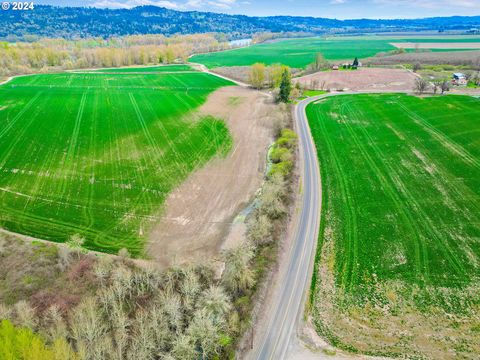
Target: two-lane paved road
[{"x": 289, "y": 304}]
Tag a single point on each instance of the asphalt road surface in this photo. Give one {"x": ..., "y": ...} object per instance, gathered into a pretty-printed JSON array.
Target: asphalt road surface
[{"x": 289, "y": 304}]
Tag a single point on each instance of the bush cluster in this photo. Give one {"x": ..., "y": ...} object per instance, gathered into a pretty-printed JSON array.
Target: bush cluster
[{"x": 126, "y": 311}]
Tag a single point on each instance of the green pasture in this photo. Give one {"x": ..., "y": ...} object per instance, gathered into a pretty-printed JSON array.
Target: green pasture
[
  {"x": 401, "y": 178},
  {"x": 138, "y": 69},
  {"x": 97, "y": 154},
  {"x": 298, "y": 53},
  {"x": 401, "y": 201}
]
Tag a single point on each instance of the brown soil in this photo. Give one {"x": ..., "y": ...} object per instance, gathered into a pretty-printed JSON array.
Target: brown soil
[
  {"x": 361, "y": 79},
  {"x": 427, "y": 45},
  {"x": 199, "y": 214},
  {"x": 467, "y": 58}
]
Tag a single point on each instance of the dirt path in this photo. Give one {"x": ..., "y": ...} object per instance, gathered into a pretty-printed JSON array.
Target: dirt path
[{"x": 199, "y": 214}]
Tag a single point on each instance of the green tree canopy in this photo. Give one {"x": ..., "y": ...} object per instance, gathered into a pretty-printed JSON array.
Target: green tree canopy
[{"x": 285, "y": 86}]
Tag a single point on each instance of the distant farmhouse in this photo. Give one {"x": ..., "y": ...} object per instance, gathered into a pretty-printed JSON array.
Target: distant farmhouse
[
  {"x": 353, "y": 66},
  {"x": 459, "y": 79}
]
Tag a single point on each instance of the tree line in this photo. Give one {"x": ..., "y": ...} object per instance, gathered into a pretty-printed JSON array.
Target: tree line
[{"x": 58, "y": 54}]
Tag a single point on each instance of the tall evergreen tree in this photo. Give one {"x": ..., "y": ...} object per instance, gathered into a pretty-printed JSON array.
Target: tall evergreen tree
[{"x": 285, "y": 86}]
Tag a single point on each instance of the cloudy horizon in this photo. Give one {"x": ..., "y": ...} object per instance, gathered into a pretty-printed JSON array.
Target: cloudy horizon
[{"x": 340, "y": 9}]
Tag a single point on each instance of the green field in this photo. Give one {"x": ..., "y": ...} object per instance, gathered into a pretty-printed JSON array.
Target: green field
[
  {"x": 97, "y": 154},
  {"x": 400, "y": 218},
  {"x": 137, "y": 69},
  {"x": 298, "y": 53}
]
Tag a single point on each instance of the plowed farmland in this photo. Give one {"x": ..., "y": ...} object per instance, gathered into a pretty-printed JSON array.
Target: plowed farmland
[
  {"x": 97, "y": 154},
  {"x": 398, "y": 264}
]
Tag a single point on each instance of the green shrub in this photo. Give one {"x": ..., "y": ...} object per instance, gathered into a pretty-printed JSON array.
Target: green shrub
[
  {"x": 23, "y": 344},
  {"x": 287, "y": 139},
  {"x": 283, "y": 168},
  {"x": 279, "y": 154}
]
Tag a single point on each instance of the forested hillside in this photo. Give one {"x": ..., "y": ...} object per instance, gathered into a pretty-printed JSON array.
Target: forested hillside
[{"x": 68, "y": 22}]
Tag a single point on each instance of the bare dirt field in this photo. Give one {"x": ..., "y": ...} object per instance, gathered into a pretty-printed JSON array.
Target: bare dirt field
[
  {"x": 199, "y": 214},
  {"x": 431, "y": 58},
  {"x": 445, "y": 45},
  {"x": 361, "y": 79}
]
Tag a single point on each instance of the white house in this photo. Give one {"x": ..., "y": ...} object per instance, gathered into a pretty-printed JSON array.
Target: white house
[{"x": 459, "y": 79}]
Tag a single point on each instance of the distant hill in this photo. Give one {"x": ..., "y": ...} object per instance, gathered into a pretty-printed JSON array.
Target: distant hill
[{"x": 76, "y": 22}]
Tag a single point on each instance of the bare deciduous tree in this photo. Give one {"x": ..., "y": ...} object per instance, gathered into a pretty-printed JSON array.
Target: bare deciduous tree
[
  {"x": 238, "y": 276},
  {"x": 5, "y": 312},
  {"x": 190, "y": 289},
  {"x": 205, "y": 332},
  {"x": 215, "y": 301},
  {"x": 172, "y": 306},
  {"x": 75, "y": 243},
  {"x": 25, "y": 315},
  {"x": 320, "y": 63},
  {"x": 57, "y": 328},
  {"x": 184, "y": 348},
  {"x": 421, "y": 85},
  {"x": 443, "y": 85},
  {"x": 260, "y": 229},
  {"x": 89, "y": 331}
]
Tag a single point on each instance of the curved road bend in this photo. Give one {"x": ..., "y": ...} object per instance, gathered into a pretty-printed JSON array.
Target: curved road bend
[{"x": 289, "y": 303}]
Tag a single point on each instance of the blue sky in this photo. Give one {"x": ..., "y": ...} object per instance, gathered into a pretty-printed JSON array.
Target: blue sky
[{"x": 340, "y": 9}]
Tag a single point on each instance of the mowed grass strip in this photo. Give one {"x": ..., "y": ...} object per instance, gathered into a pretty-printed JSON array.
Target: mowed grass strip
[
  {"x": 298, "y": 53},
  {"x": 147, "y": 69},
  {"x": 401, "y": 209},
  {"x": 97, "y": 155}
]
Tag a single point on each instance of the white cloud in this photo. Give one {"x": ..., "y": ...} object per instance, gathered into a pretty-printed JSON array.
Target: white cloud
[
  {"x": 127, "y": 4},
  {"x": 430, "y": 4},
  {"x": 337, "y": 2},
  {"x": 194, "y": 4},
  {"x": 220, "y": 4}
]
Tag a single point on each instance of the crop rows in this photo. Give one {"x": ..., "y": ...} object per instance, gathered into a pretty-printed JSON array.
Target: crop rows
[
  {"x": 401, "y": 179},
  {"x": 97, "y": 154}
]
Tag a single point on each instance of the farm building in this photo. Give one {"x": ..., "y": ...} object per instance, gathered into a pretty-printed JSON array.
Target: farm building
[{"x": 459, "y": 79}]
